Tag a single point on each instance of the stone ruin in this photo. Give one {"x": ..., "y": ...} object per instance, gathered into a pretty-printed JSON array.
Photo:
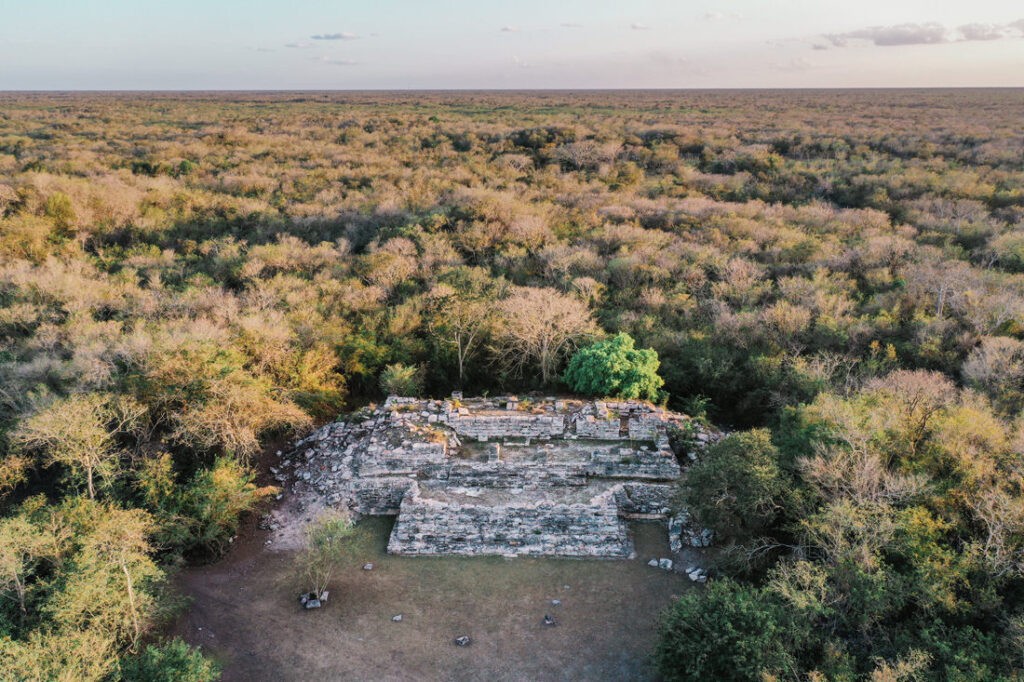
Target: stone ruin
[{"x": 499, "y": 476}]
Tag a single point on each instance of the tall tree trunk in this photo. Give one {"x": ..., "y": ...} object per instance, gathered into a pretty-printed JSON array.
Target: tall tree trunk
[{"x": 131, "y": 601}]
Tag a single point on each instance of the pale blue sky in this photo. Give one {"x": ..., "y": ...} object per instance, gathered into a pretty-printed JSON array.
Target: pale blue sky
[{"x": 300, "y": 44}]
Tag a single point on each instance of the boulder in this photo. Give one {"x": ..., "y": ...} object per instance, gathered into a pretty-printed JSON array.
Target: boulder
[{"x": 463, "y": 640}]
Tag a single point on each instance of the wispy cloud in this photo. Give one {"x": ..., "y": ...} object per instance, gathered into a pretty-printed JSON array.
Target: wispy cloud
[
  {"x": 722, "y": 16},
  {"x": 887, "y": 36},
  {"x": 509, "y": 29},
  {"x": 982, "y": 31},
  {"x": 794, "y": 65},
  {"x": 263, "y": 49},
  {"x": 299, "y": 46},
  {"x": 639, "y": 27},
  {"x": 678, "y": 64},
  {"x": 571, "y": 24},
  {"x": 335, "y": 36},
  {"x": 929, "y": 33},
  {"x": 336, "y": 62}
]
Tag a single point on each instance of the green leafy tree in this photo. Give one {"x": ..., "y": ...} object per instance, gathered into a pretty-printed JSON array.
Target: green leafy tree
[
  {"x": 727, "y": 632},
  {"x": 111, "y": 581},
  {"x": 615, "y": 368},
  {"x": 173, "y": 661},
  {"x": 737, "y": 487},
  {"x": 60, "y": 210},
  {"x": 202, "y": 513}
]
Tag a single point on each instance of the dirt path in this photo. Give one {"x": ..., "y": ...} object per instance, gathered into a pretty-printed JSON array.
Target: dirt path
[{"x": 245, "y": 613}]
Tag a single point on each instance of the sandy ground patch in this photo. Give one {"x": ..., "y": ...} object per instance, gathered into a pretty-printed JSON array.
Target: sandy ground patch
[{"x": 245, "y": 613}]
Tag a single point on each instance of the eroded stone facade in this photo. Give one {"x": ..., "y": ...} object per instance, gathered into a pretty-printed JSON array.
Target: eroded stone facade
[{"x": 499, "y": 476}]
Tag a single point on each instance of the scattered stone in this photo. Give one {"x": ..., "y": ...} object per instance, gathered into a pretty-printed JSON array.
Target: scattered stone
[
  {"x": 675, "y": 533},
  {"x": 310, "y": 600},
  {"x": 324, "y": 595},
  {"x": 548, "y": 620},
  {"x": 464, "y": 640},
  {"x": 556, "y": 602},
  {"x": 653, "y": 563},
  {"x": 396, "y": 619},
  {"x": 703, "y": 538},
  {"x": 665, "y": 564},
  {"x": 367, "y": 567}
]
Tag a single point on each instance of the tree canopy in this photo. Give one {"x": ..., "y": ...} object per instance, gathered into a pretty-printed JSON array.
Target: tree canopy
[{"x": 615, "y": 368}]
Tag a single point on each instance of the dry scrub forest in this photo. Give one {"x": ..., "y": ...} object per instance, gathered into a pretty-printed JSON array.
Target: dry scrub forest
[{"x": 835, "y": 278}]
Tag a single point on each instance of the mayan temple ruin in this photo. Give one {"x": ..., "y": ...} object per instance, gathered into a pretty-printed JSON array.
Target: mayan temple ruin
[{"x": 502, "y": 475}]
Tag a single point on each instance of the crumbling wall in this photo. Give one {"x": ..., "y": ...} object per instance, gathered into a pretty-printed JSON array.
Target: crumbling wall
[
  {"x": 644, "y": 500},
  {"x": 513, "y": 425},
  {"x": 429, "y": 527},
  {"x": 378, "y": 496},
  {"x": 583, "y": 468},
  {"x": 597, "y": 427},
  {"x": 655, "y": 465}
]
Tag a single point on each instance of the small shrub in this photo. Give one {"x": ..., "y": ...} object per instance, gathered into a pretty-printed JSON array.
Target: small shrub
[
  {"x": 173, "y": 661},
  {"x": 402, "y": 380}
]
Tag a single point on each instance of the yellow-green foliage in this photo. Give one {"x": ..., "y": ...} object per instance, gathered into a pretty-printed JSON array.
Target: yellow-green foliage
[{"x": 253, "y": 264}]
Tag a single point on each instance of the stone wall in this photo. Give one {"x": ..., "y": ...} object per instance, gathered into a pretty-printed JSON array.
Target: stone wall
[
  {"x": 408, "y": 458},
  {"x": 597, "y": 427},
  {"x": 513, "y": 425},
  {"x": 503, "y": 475},
  {"x": 629, "y": 464},
  {"x": 431, "y": 527},
  {"x": 379, "y": 496},
  {"x": 556, "y": 479},
  {"x": 644, "y": 500}
]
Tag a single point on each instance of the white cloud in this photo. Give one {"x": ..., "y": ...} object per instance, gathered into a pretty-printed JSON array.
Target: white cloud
[
  {"x": 336, "y": 62},
  {"x": 722, "y": 16},
  {"x": 930, "y": 33},
  {"x": 335, "y": 36},
  {"x": 639, "y": 27},
  {"x": 981, "y": 32},
  {"x": 299, "y": 46},
  {"x": 886, "y": 36},
  {"x": 794, "y": 65}
]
